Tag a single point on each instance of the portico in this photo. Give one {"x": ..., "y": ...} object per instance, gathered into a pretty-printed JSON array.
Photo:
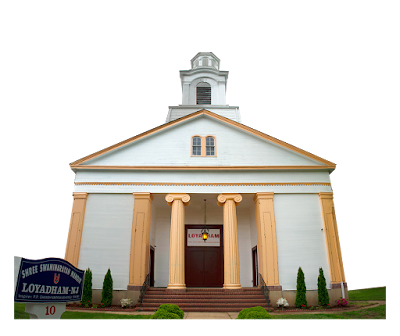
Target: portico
[{"x": 221, "y": 210}]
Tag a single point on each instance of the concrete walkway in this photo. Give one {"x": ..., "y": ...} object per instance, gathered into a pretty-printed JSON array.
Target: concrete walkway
[{"x": 234, "y": 315}]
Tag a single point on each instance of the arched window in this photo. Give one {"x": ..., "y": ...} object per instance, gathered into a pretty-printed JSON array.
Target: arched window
[
  {"x": 196, "y": 145},
  {"x": 210, "y": 146},
  {"x": 203, "y": 94}
]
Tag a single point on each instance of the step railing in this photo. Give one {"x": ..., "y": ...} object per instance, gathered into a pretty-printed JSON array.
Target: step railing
[
  {"x": 143, "y": 290},
  {"x": 264, "y": 288}
]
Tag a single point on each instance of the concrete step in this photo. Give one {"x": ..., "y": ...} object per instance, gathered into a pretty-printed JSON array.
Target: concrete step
[{"x": 205, "y": 299}]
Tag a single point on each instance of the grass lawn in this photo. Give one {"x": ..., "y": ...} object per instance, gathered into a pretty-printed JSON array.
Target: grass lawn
[
  {"x": 19, "y": 313},
  {"x": 378, "y": 293},
  {"x": 376, "y": 313},
  {"x": 354, "y": 295},
  {"x": 368, "y": 313}
]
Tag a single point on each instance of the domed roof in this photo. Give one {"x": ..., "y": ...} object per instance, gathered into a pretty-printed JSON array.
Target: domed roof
[{"x": 205, "y": 60}]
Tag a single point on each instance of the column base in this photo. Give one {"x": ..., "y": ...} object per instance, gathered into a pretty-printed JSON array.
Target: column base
[
  {"x": 176, "y": 286},
  {"x": 232, "y": 286}
]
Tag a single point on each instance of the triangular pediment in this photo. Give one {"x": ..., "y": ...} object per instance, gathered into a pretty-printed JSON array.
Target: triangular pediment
[{"x": 169, "y": 147}]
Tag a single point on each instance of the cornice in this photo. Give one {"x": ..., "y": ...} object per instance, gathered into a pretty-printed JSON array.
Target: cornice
[
  {"x": 206, "y": 184},
  {"x": 94, "y": 167},
  {"x": 202, "y": 70}
]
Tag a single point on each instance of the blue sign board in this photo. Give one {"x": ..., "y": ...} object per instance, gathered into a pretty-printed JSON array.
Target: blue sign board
[{"x": 48, "y": 280}]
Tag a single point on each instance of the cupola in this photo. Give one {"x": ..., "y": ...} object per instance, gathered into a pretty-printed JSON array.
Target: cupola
[{"x": 204, "y": 87}]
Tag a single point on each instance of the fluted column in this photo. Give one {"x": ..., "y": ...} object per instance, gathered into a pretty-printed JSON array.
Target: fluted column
[
  {"x": 231, "y": 246},
  {"x": 177, "y": 240}
]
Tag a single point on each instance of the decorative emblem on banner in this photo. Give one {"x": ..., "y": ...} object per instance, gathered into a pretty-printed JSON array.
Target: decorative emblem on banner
[{"x": 56, "y": 278}]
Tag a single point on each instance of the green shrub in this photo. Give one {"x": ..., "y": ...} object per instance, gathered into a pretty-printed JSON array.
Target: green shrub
[
  {"x": 164, "y": 314},
  {"x": 87, "y": 288},
  {"x": 244, "y": 314},
  {"x": 172, "y": 308},
  {"x": 168, "y": 311},
  {"x": 323, "y": 296},
  {"x": 301, "y": 300},
  {"x": 258, "y": 315},
  {"x": 107, "y": 293}
]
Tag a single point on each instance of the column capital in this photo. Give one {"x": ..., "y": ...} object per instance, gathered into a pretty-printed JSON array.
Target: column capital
[
  {"x": 185, "y": 198},
  {"x": 325, "y": 195},
  {"x": 143, "y": 195},
  {"x": 80, "y": 195},
  {"x": 263, "y": 195},
  {"x": 222, "y": 198}
]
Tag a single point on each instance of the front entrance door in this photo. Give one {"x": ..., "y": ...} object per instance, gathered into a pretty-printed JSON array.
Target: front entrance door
[{"x": 204, "y": 264}]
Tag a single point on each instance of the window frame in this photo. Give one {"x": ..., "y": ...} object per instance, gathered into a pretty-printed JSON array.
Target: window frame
[
  {"x": 210, "y": 146},
  {"x": 204, "y": 146},
  {"x": 193, "y": 146}
]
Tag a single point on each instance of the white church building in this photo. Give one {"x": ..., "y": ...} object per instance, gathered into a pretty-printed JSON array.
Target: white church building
[{"x": 140, "y": 206}]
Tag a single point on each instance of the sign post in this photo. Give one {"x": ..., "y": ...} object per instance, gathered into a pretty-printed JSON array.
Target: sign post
[
  {"x": 46, "y": 285},
  {"x": 45, "y": 310}
]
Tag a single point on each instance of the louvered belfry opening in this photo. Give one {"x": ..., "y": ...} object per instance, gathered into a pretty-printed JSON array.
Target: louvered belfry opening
[{"x": 203, "y": 94}]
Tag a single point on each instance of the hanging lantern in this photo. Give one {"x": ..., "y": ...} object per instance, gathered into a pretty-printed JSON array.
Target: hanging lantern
[{"x": 205, "y": 230}]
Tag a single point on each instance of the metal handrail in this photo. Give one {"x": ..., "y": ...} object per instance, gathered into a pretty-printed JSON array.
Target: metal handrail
[
  {"x": 264, "y": 288},
  {"x": 145, "y": 286}
]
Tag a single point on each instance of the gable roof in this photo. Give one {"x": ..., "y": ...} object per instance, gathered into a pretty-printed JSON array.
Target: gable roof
[{"x": 80, "y": 164}]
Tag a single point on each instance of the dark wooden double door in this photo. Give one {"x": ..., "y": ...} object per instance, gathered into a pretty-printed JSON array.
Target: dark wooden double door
[{"x": 204, "y": 266}]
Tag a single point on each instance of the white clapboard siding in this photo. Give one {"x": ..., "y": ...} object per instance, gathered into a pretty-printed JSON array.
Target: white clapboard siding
[
  {"x": 244, "y": 241},
  {"x": 300, "y": 239},
  {"x": 106, "y": 238},
  {"x": 172, "y": 147},
  {"x": 96, "y": 179},
  {"x": 249, "y": 176},
  {"x": 162, "y": 241}
]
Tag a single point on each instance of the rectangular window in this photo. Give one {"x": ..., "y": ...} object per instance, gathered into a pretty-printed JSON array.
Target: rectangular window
[
  {"x": 196, "y": 146},
  {"x": 210, "y": 146}
]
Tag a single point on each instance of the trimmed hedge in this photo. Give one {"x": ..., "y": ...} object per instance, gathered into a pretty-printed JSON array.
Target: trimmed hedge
[
  {"x": 254, "y": 313},
  {"x": 164, "y": 314},
  {"x": 168, "y": 311},
  {"x": 257, "y": 315}
]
